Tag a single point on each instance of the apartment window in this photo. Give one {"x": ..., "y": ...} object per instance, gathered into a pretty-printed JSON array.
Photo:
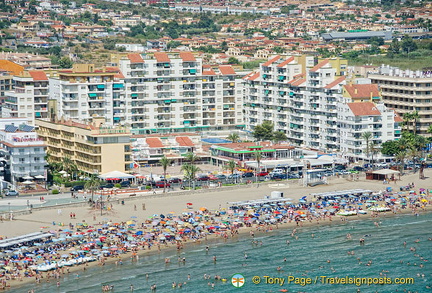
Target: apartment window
[
  {"x": 21, "y": 169},
  {"x": 37, "y": 168},
  {"x": 36, "y": 150},
  {"x": 37, "y": 159},
  {"x": 21, "y": 151},
  {"x": 21, "y": 160}
]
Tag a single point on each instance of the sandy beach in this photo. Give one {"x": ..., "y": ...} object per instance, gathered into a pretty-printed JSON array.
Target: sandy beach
[
  {"x": 163, "y": 204},
  {"x": 171, "y": 203}
]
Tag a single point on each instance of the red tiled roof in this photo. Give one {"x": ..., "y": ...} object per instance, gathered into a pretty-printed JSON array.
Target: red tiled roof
[
  {"x": 135, "y": 58},
  {"x": 397, "y": 118},
  {"x": 184, "y": 141},
  {"x": 38, "y": 75},
  {"x": 335, "y": 82},
  {"x": 364, "y": 109},
  {"x": 286, "y": 62},
  {"x": 362, "y": 90},
  {"x": 209, "y": 72},
  {"x": 319, "y": 65},
  {"x": 187, "y": 56},
  {"x": 255, "y": 76},
  {"x": 297, "y": 82},
  {"x": 274, "y": 59},
  {"x": 161, "y": 57},
  {"x": 226, "y": 69},
  {"x": 154, "y": 142},
  {"x": 248, "y": 75}
]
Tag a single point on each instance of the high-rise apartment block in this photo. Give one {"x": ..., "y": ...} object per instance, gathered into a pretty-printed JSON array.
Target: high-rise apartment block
[
  {"x": 29, "y": 97},
  {"x": 84, "y": 92},
  {"x": 407, "y": 91},
  {"x": 314, "y": 107},
  {"x": 174, "y": 92}
]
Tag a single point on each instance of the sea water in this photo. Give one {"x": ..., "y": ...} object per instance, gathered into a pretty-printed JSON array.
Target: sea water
[{"x": 311, "y": 262}]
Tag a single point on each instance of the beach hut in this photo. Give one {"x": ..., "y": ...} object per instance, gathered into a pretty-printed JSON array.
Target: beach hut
[{"x": 381, "y": 175}]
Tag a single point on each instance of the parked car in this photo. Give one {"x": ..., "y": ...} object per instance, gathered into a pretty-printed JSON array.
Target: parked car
[
  {"x": 203, "y": 178},
  {"x": 248, "y": 174},
  {"x": 234, "y": 176},
  {"x": 161, "y": 184},
  {"x": 109, "y": 185},
  {"x": 278, "y": 176},
  {"x": 261, "y": 174},
  {"x": 175, "y": 180},
  {"x": 221, "y": 177},
  {"x": 125, "y": 183},
  {"x": 358, "y": 168},
  {"x": 12, "y": 193},
  {"x": 293, "y": 176},
  {"x": 77, "y": 187},
  {"x": 213, "y": 177}
]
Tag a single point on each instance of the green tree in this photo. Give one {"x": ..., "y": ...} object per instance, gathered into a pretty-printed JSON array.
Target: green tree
[
  {"x": 190, "y": 172},
  {"x": 400, "y": 158},
  {"x": 408, "y": 45},
  {"x": 92, "y": 185},
  {"x": 414, "y": 117},
  {"x": 233, "y": 137},
  {"x": 233, "y": 60},
  {"x": 390, "y": 148},
  {"x": 406, "y": 120},
  {"x": 65, "y": 62},
  {"x": 173, "y": 44},
  {"x": 367, "y": 135},
  {"x": 258, "y": 157},
  {"x": 165, "y": 162},
  {"x": 231, "y": 166},
  {"x": 279, "y": 136},
  {"x": 263, "y": 131}
]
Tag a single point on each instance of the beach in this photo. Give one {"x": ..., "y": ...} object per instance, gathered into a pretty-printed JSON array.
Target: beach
[{"x": 143, "y": 208}]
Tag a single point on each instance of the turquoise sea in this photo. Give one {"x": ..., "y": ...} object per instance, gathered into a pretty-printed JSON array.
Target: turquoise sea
[{"x": 325, "y": 254}]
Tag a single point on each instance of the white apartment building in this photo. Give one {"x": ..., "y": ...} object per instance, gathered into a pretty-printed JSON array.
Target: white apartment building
[
  {"x": 29, "y": 98},
  {"x": 407, "y": 91},
  {"x": 174, "y": 92},
  {"x": 24, "y": 150},
  {"x": 302, "y": 105},
  {"x": 306, "y": 105},
  {"x": 356, "y": 118},
  {"x": 83, "y": 92}
]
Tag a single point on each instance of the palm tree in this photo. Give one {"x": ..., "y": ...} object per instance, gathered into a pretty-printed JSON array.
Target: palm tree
[
  {"x": 400, "y": 158},
  {"x": 367, "y": 135},
  {"x": 231, "y": 165},
  {"x": 233, "y": 137},
  {"x": 413, "y": 153},
  {"x": 68, "y": 165},
  {"x": 374, "y": 150},
  {"x": 429, "y": 130},
  {"x": 407, "y": 119},
  {"x": 165, "y": 162},
  {"x": 415, "y": 116},
  {"x": 258, "y": 157},
  {"x": 190, "y": 172},
  {"x": 92, "y": 185},
  {"x": 192, "y": 158}
]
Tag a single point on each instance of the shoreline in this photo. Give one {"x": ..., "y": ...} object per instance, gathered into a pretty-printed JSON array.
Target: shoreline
[
  {"x": 173, "y": 202},
  {"x": 243, "y": 233}
]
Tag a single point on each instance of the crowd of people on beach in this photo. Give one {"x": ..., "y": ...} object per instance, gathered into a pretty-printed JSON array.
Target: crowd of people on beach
[{"x": 46, "y": 260}]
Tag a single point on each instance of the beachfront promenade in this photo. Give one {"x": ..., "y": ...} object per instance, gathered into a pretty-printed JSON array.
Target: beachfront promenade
[{"x": 176, "y": 202}]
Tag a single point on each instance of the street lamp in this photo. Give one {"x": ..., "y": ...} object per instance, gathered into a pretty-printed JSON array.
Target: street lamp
[{"x": 101, "y": 203}]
